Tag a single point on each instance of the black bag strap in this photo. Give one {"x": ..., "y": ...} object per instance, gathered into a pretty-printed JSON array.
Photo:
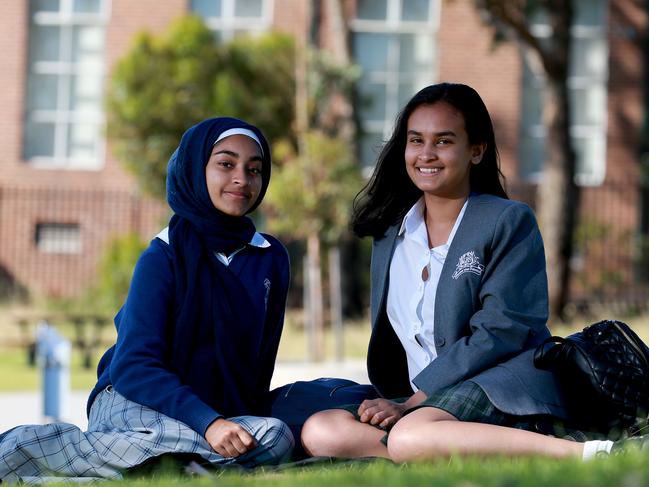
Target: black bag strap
[{"x": 547, "y": 353}]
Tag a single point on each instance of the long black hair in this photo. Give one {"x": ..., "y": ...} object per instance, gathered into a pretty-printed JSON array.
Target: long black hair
[{"x": 390, "y": 192}]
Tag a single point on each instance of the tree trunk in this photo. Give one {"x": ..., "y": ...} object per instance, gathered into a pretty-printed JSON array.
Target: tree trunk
[
  {"x": 314, "y": 321},
  {"x": 335, "y": 302},
  {"x": 338, "y": 117},
  {"x": 557, "y": 199},
  {"x": 558, "y": 194}
]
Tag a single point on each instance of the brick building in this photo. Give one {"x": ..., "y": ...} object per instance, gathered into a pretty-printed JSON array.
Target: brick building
[{"x": 63, "y": 194}]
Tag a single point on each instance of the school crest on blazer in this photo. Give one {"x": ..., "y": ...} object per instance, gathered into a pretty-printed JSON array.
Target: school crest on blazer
[{"x": 468, "y": 262}]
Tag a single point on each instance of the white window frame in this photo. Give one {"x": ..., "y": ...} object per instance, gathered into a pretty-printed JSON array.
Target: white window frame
[
  {"x": 228, "y": 23},
  {"x": 66, "y": 19},
  {"x": 58, "y": 238},
  {"x": 393, "y": 25},
  {"x": 597, "y": 131}
]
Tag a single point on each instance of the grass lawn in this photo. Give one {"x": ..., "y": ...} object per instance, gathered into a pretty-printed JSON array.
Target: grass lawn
[
  {"x": 17, "y": 375},
  {"x": 628, "y": 471}
]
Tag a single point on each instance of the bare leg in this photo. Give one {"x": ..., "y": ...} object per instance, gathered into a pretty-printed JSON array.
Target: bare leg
[
  {"x": 428, "y": 433},
  {"x": 336, "y": 433}
]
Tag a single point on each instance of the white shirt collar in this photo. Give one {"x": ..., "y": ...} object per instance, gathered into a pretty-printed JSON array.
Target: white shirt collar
[
  {"x": 257, "y": 239},
  {"x": 415, "y": 218}
]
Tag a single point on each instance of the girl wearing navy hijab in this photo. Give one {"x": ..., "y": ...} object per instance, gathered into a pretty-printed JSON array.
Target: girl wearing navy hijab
[{"x": 197, "y": 336}]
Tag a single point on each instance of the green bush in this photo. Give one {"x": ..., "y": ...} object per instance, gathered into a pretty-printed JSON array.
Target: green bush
[{"x": 115, "y": 272}]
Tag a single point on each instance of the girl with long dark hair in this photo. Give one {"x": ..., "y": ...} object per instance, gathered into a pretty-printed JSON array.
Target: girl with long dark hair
[{"x": 459, "y": 300}]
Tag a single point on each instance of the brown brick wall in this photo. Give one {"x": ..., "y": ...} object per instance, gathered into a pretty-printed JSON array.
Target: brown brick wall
[
  {"x": 101, "y": 216},
  {"x": 628, "y": 24},
  {"x": 13, "y": 48},
  {"x": 290, "y": 16}
]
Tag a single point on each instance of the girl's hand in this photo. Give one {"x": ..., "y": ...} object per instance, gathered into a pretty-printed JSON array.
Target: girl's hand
[
  {"x": 380, "y": 412},
  {"x": 384, "y": 413},
  {"x": 229, "y": 439}
]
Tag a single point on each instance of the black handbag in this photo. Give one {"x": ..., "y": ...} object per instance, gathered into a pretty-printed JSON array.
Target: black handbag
[{"x": 603, "y": 372}]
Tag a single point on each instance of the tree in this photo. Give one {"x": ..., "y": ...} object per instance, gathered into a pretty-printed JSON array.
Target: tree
[
  {"x": 313, "y": 188},
  {"x": 167, "y": 83},
  {"x": 321, "y": 174},
  {"x": 558, "y": 195}
]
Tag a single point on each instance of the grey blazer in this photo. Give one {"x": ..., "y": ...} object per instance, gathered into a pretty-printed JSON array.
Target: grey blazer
[{"x": 491, "y": 310}]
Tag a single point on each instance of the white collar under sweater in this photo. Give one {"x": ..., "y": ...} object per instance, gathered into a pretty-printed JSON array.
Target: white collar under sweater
[{"x": 257, "y": 240}]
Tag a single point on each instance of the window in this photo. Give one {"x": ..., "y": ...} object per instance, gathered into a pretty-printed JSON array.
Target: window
[
  {"x": 587, "y": 83},
  {"x": 394, "y": 44},
  {"x": 64, "y": 120},
  {"x": 58, "y": 238},
  {"x": 229, "y": 18}
]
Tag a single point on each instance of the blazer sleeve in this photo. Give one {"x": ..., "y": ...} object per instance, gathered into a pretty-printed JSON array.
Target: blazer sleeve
[
  {"x": 140, "y": 368},
  {"x": 512, "y": 305}
]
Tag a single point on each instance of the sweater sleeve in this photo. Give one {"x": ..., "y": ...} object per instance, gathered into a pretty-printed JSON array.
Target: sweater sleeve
[
  {"x": 140, "y": 368},
  {"x": 513, "y": 304}
]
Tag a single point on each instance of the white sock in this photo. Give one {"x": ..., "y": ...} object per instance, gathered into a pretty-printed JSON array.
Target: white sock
[{"x": 592, "y": 448}]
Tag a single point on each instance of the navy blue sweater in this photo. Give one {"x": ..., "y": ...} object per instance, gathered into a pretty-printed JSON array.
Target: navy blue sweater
[{"x": 138, "y": 365}]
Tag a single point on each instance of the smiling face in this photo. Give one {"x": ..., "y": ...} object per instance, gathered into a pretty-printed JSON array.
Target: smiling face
[
  {"x": 233, "y": 174},
  {"x": 438, "y": 154}
]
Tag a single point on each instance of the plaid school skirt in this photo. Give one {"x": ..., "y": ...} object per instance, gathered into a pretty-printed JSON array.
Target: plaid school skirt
[
  {"x": 121, "y": 435},
  {"x": 466, "y": 401}
]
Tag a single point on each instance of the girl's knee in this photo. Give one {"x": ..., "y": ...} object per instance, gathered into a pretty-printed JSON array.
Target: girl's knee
[
  {"x": 274, "y": 440},
  {"x": 401, "y": 442},
  {"x": 323, "y": 432},
  {"x": 405, "y": 442},
  {"x": 277, "y": 439}
]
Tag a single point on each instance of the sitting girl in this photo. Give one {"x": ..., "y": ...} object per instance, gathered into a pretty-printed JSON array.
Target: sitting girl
[
  {"x": 197, "y": 336},
  {"x": 459, "y": 300}
]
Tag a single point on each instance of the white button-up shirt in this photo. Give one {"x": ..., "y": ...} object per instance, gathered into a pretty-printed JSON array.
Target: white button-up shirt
[{"x": 411, "y": 300}]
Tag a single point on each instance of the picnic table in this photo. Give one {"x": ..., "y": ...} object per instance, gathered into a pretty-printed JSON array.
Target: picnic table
[{"x": 88, "y": 330}]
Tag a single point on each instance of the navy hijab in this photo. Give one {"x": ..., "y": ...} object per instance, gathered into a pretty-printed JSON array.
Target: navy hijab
[{"x": 213, "y": 308}]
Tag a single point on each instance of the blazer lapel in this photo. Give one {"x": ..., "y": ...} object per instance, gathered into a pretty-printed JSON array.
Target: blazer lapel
[
  {"x": 464, "y": 237},
  {"x": 381, "y": 256}
]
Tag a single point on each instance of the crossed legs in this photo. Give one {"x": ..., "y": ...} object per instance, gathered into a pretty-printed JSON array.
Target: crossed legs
[{"x": 425, "y": 434}]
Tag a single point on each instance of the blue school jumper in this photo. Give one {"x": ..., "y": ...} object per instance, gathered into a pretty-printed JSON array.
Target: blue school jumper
[{"x": 138, "y": 366}]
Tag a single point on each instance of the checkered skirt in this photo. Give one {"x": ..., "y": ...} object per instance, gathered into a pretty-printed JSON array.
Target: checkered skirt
[{"x": 123, "y": 434}]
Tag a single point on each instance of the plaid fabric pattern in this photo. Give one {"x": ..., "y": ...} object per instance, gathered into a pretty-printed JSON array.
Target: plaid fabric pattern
[
  {"x": 123, "y": 434},
  {"x": 467, "y": 402},
  {"x": 464, "y": 400}
]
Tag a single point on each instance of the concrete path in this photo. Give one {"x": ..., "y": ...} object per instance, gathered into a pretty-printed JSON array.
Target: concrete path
[{"x": 26, "y": 407}]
